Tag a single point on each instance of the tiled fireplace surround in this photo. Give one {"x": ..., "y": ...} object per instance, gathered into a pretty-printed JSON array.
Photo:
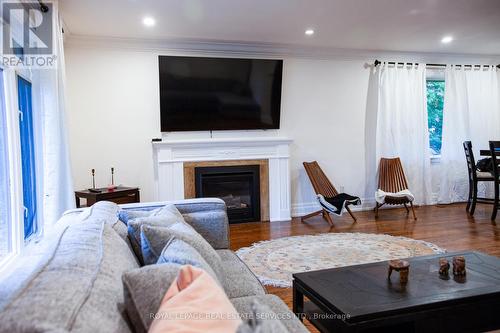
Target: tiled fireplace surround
[{"x": 175, "y": 160}]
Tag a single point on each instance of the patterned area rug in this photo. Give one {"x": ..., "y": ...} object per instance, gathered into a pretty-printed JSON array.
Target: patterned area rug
[{"x": 274, "y": 261}]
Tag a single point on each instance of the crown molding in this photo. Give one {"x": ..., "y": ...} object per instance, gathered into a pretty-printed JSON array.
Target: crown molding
[{"x": 268, "y": 50}]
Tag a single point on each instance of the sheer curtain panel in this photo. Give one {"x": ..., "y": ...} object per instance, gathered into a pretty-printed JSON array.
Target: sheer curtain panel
[
  {"x": 471, "y": 112},
  {"x": 402, "y": 128}
]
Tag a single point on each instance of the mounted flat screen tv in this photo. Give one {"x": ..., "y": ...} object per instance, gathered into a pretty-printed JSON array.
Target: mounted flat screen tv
[{"x": 200, "y": 94}]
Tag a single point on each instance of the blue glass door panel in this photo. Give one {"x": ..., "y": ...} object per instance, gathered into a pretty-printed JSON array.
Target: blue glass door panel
[{"x": 27, "y": 155}]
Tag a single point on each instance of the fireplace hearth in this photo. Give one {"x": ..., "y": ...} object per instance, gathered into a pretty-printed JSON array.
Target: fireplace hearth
[{"x": 238, "y": 186}]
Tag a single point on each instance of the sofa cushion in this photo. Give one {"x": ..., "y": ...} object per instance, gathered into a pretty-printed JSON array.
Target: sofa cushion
[
  {"x": 158, "y": 237},
  {"x": 261, "y": 320},
  {"x": 105, "y": 210},
  {"x": 164, "y": 216},
  {"x": 76, "y": 289},
  {"x": 238, "y": 279},
  {"x": 144, "y": 289},
  {"x": 104, "y": 309},
  {"x": 195, "y": 293},
  {"x": 279, "y": 310},
  {"x": 126, "y": 215}
]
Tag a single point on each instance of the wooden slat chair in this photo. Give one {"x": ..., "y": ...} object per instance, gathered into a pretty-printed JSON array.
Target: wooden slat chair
[
  {"x": 321, "y": 185},
  {"x": 392, "y": 179}
]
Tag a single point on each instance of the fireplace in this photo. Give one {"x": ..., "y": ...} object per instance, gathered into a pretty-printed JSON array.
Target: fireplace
[{"x": 238, "y": 186}]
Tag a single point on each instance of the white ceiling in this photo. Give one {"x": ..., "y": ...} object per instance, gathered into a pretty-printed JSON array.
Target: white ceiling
[{"x": 388, "y": 25}]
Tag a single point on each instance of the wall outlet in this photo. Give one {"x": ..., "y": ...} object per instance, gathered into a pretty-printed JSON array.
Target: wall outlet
[{"x": 341, "y": 188}]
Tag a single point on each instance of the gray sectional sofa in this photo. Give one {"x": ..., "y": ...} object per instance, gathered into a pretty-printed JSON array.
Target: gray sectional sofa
[{"x": 74, "y": 283}]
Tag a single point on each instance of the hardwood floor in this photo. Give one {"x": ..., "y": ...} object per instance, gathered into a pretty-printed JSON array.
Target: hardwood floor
[{"x": 448, "y": 226}]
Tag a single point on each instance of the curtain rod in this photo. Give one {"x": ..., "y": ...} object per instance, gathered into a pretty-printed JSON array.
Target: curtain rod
[
  {"x": 43, "y": 7},
  {"x": 33, "y": 5},
  {"x": 378, "y": 62}
]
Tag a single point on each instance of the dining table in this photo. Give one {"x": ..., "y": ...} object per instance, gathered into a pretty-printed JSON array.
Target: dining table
[{"x": 487, "y": 152}]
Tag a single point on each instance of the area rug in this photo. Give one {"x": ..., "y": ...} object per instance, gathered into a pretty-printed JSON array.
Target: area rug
[{"x": 274, "y": 261}]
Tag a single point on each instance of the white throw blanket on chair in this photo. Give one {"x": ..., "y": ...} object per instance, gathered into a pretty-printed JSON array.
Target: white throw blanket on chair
[{"x": 380, "y": 195}]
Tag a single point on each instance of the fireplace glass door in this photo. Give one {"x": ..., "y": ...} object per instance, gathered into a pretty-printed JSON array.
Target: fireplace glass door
[{"x": 238, "y": 186}]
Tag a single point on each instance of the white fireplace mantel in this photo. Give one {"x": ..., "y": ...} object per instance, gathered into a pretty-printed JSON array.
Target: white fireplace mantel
[{"x": 170, "y": 155}]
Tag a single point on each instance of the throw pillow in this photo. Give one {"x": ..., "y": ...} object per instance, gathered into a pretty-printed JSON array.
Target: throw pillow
[
  {"x": 179, "y": 252},
  {"x": 164, "y": 216},
  {"x": 126, "y": 215},
  {"x": 157, "y": 237},
  {"x": 262, "y": 320},
  {"x": 144, "y": 289},
  {"x": 195, "y": 303}
]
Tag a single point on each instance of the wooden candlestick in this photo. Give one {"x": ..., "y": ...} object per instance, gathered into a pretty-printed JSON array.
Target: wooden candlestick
[{"x": 93, "y": 178}]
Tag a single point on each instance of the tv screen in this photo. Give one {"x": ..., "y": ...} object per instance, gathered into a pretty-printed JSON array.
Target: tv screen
[{"x": 199, "y": 94}]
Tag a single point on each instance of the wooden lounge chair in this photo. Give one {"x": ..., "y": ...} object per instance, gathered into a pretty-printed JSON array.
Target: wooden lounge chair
[
  {"x": 392, "y": 180},
  {"x": 322, "y": 186}
]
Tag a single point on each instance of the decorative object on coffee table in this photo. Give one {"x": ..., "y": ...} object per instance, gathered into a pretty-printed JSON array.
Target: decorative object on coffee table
[
  {"x": 401, "y": 266},
  {"x": 274, "y": 261},
  {"x": 444, "y": 267},
  {"x": 353, "y": 298},
  {"x": 119, "y": 195},
  {"x": 459, "y": 266}
]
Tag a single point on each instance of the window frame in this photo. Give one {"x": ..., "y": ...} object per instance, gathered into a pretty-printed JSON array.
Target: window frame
[
  {"x": 434, "y": 74},
  {"x": 16, "y": 212}
]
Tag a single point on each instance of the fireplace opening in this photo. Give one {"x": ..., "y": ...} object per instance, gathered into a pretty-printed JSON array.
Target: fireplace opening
[{"x": 238, "y": 186}]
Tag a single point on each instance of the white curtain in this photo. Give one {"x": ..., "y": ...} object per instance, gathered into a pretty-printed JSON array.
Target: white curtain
[
  {"x": 49, "y": 102},
  {"x": 402, "y": 128},
  {"x": 471, "y": 112}
]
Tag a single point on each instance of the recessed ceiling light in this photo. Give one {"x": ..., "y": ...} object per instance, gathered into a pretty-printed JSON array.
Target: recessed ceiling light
[
  {"x": 309, "y": 32},
  {"x": 447, "y": 39},
  {"x": 149, "y": 21}
]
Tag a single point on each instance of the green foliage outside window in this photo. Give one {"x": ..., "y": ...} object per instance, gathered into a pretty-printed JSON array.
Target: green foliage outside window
[{"x": 435, "y": 102}]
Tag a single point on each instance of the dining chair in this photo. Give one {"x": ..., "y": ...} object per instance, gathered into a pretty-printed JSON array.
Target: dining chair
[
  {"x": 474, "y": 178},
  {"x": 494, "y": 148}
]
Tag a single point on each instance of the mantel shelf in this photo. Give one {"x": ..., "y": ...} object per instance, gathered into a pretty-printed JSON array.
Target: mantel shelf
[{"x": 224, "y": 141}]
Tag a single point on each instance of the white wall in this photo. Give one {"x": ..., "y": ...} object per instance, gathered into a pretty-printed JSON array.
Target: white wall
[
  {"x": 113, "y": 113},
  {"x": 328, "y": 109}
]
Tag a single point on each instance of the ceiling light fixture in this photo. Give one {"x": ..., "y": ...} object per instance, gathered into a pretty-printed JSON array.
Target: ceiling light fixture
[
  {"x": 309, "y": 32},
  {"x": 447, "y": 39},
  {"x": 149, "y": 21}
]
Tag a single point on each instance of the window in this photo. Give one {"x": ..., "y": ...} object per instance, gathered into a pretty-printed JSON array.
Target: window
[
  {"x": 27, "y": 140},
  {"x": 435, "y": 102},
  {"x": 5, "y": 246}
]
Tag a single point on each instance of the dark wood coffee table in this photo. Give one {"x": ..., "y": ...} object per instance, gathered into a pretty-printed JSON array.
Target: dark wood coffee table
[{"x": 361, "y": 298}]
